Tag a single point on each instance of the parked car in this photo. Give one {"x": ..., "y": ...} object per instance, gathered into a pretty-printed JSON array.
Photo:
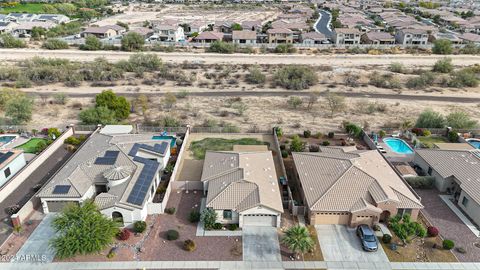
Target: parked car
[{"x": 367, "y": 238}]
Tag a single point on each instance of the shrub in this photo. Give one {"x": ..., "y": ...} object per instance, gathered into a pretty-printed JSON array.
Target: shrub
[
  {"x": 331, "y": 135},
  {"x": 123, "y": 234},
  {"x": 421, "y": 182},
  {"x": 417, "y": 131},
  {"x": 397, "y": 67},
  {"x": 432, "y": 231},
  {"x": 255, "y": 76},
  {"x": 453, "y": 136},
  {"x": 430, "y": 119},
  {"x": 284, "y": 48},
  {"x": 307, "y": 133},
  {"x": 325, "y": 143},
  {"x": 424, "y": 80},
  {"x": 284, "y": 153},
  {"x": 92, "y": 43},
  {"x": 353, "y": 130},
  {"x": 132, "y": 41},
  {"x": 72, "y": 140},
  {"x": 442, "y": 46},
  {"x": 232, "y": 227},
  {"x": 463, "y": 78},
  {"x": 460, "y": 120},
  {"x": 314, "y": 148},
  {"x": 443, "y": 65},
  {"x": 139, "y": 226},
  {"x": 294, "y": 102},
  {"x": 194, "y": 216},
  {"x": 208, "y": 217},
  {"x": 297, "y": 145},
  {"x": 217, "y": 226},
  {"x": 189, "y": 245},
  {"x": 448, "y": 244},
  {"x": 55, "y": 44},
  {"x": 172, "y": 235},
  {"x": 386, "y": 238},
  {"x": 295, "y": 77},
  {"x": 384, "y": 81},
  {"x": 382, "y": 133},
  {"x": 8, "y": 41},
  {"x": 221, "y": 47},
  {"x": 351, "y": 79},
  {"x": 170, "y": 210}
]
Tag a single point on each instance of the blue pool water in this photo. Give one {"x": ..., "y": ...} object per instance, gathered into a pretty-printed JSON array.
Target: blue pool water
[
  {"x": 475, "y": 143},
  {"x": 6, "y": 139},
  {"x": 398, "y": 146},
  {"x": 171, "y": 138}
]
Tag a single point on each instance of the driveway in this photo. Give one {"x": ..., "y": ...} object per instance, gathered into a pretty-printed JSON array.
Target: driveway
[
  {"x": 260, "y": 244},
  {"x": 339, "y": 243},
  {"x": 36, "y": 248}
]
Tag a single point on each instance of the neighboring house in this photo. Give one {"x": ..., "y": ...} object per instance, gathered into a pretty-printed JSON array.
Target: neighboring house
[
  {"x": 11, "y": 162},
  {"x": 346, "y": 36},
  {"x": 209, "y": 37},
  {"x": 244, "y": 37},
  {"x": 377, "y": 38},
  {"x": 104, "y": 31},
  {"x": 470, "y": 38},
  {"x": 252, "y": 25},
  {"x": 242, "y": 187},
  {"x": 456, "y": 172},
  {"x": 173, "y": 33},
  {"x": 120, "y": 172},
  {"x": 280, "y": 36},
  {"x": 454, "y": 39},
  {"x": 196, "y": 27},
  {"x": 143, "y": 31},
  {"x": 411, "y": 37},
  {"x": 55, "y": 18},
  {"x": 7, "y": 27},
  {"x": 351, "y": 187},
  {"x": 313, "y": 38},
  {"x": 21, "y": 17},
  {"x": 25, "y": 28}
]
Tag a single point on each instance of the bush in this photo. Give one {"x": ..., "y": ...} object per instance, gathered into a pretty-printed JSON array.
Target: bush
[
  {"x": 285, "y": 48},
  {"x": 294, "y": 102},
  {"x": 386, "y": 238},
  {"x": 432, "y": 231},
  {"x": 453, "y": 136},
  {"x": 397, "y": 67},
  {"x": 194, "y": 216},
  {"x": 463, "y": 78},
  {"x": 443, "y": 65},
  {"x": 139, "y": 226},
  {"x": 55, "y": 44},
  {"x": 189, "y": 245},
  {"x": 460, "y": 120},
  {"x": 297, "y": 145},
  {"x": 426, "y": 133},
  {"x": 217, "y": 226},
  {"x": 417, "y": 131},
  {"x": 295, "y": 77},
  {"x": 313, "y": 148},
  {"x": 442, "y": 46},
  {"x": 325, "y": 143},
  {"x": 284, "y": 153},
  {"x": 384, "y": 81},
  {"x": 331, "y": 135},
  {"x": 255, "y": 76},
  {"x": 123, "y": 234},
  {"x": 221, "y": 47},
  {"x": 8, "y": 41},
  {"x": 307, "y": 133},
  {"x": 448, "y": 244},
  {"x": 353, "y": 130},
  {"x": 208, "y": 217},
  {"x": 430, "y": 119},
  {"x": 172, "y": 235},
  {"x": 92, "y": 43},
  {"x": 421, "y": 182},
  {"x": 424, "y": 80},
  {"x": 72, "y": 140},
  {"x": 232, "y": 227},
  {"x": 170, "y": 210},
  {"x": 132, "y": 41}
]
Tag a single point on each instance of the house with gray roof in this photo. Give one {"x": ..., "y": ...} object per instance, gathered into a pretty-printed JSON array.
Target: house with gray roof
[
  {"x": 456, "y": 172},
  {"x": 343, "y": 185},
  {"x": 242, "y": 187},
  {"x": 120, "y": 172}
]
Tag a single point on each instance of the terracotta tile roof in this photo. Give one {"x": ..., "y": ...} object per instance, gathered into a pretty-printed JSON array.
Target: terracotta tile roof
[
  {"x": 347, "y": 30},
  {"x": 244, "y": 34},
  {"x": 379, "y": 36},
  {"x": 209, "y": 35},
  {"x": 279, "y": 31},
  {"x": 314, "y": 36}
]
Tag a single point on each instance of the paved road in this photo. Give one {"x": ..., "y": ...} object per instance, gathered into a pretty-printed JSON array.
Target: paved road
[
  {"x": 24, "y": 192},
  {"x": 293, "y": 93},
  {"x": 340, "y": 60},
  {"x": 260, "y": 244},
  {"x": 340, "y": 244},
  {"x": 322, "y": 25}
]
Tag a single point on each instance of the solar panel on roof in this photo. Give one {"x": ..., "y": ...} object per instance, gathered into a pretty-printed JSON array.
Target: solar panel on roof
[
  {"x": 144, "y": 181},
  {"x": 109, "y": 158},
  {"x": 5, "y": 156},
  {"x": 112, "y": 154},
  {"x": 61, "y": 189}
]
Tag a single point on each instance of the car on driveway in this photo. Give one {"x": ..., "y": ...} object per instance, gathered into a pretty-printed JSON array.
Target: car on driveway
[{"x": 367, "y": 238}]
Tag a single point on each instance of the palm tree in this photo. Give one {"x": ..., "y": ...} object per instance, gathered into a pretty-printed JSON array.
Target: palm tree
[{"x": 298, "y": 240}]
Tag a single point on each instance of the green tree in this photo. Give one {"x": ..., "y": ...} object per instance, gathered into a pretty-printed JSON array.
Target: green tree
[
  {"x": 38, "y": 33},
  {"x": 169, "y": 99},
  {"x": 92, "y": 43},
  {"x": 7, "y": 94},
  {"x": 460, "y": 120},
  {"x": 124, "y": 25},
  {"x": 405, "y": 229},
  {"x": 82, "y": 230},
  {"x": 66, "y": 8},
  {"x": 209, "y": 218},
  {"x": 49, "y": 9},
  {"x": 443, "y": 65},
  {"x": 335, "y": 103},
  {"x": 295, "y": 77},
  {"x": 19, "y": 110},
  {"x": 442, "y": 46},
  {"x": 298, "y": 240},
  {"x": 430, "y": 119},
  {"x": 236, "y": 27},
  {"x": 132, "y": 42},
  {"x": 118, "y": 104},
  {"x": 221, "y": 47},
  {"x": 297, "y": 145},
  {"x": 98, "y": 115}
]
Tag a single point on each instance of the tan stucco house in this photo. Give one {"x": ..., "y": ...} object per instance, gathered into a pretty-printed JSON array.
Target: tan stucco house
[{"x": 352, "y": 187}]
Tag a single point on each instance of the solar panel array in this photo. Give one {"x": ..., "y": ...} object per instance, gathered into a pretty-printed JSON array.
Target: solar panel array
[
  {"x": 159, "y": 148},
  {"x": 5, "y": 156},
  {"x": 109, "y": 158},
  {"x": 61, "y": 189},
  {"x": 144, "y": 181}
]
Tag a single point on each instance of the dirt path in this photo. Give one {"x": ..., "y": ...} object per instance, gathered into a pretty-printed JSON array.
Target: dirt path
[{"x": 341, "y": 60}]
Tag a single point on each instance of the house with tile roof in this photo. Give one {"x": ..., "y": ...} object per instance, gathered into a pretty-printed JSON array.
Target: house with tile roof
[
  {"x": 411, "y": 36},
  {"x": 105, "y": 31},
  {"x": 343, "y": 185},
  {"x": 456, "y": 172},
  {"x": 346, "y": 36},
  {"x": 208, "y": 37},
  {"x": 119, "y": 172},
  {"x": 242, "y": 187},
  {"x": 244, "y": 37},
  {"x": 377, "y": 38},
  {"x": 280, "y": 36}
]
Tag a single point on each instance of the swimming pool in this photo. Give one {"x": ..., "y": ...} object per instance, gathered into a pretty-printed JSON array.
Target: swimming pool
[
  {"x": 6, "y": 139},
  {"x": 474, "y": 142},
  {"x": 398, "y": 146},
  {"x": 171, "y": 138}
]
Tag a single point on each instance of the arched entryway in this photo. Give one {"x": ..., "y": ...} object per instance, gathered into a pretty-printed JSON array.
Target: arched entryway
[
  {"x": 384, "y": 216},
  {"x": 118, "y": 218}
]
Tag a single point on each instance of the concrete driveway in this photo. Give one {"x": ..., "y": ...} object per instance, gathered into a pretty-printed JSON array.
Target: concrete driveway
[
  {"x": 260, "y": 244},
  {"x": 36, "y": 248},
  {"x": 339, "y": 243}
]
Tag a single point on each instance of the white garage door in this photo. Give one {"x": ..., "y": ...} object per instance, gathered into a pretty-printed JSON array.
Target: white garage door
[{"x": 260, "y": 220}]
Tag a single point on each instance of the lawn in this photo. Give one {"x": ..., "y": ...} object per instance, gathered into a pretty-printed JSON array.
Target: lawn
[
  {"x": 431, "y": 140},
  {"x": 24, "y": 8},
  {"x": 31, "y": 145},
  {"x": 199, "y": 148}
]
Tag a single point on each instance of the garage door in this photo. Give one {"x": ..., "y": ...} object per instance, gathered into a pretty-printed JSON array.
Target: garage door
[
  {"x": 260, "y": 220},
  {"x": 332, "y": 218},
  {"x": 57, "y": 206}
]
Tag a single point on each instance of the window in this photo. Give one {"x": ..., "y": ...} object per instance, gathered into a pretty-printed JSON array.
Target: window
[
  {"x": 465, "y": 201},
  {"x": 7, "y": 172},
  {"x": 227, "y": 214}
]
